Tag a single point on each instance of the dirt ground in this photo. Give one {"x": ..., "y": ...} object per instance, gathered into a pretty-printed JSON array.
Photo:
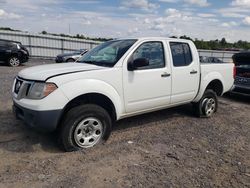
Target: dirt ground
[{"x": 169, "y": 148}]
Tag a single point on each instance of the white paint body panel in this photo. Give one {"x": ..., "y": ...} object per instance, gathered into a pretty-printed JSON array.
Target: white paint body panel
[
  {"x": 132, "y": 92},
  {"x": 185, "y": 85},
  {"x": 222, "y": 72}
]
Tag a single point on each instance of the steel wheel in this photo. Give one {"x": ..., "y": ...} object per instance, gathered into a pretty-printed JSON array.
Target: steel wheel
[
  {"x": 209, "y": 106},
  {"x": 84, "y": 126},
  {"x": 88, "y": 132},
  {"x": 14, "y": 62}
]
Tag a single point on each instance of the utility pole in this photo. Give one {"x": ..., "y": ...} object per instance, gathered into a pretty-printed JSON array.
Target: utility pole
[{"x": 69, "y": 28}]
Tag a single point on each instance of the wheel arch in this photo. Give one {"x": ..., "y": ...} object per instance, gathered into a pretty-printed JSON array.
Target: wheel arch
[
  {"x": 212, "y": 81},
  {"x": 215, "y": 85},
  {"x": 70, "y": 58},
  {"x": 90, "y": 98},
  {"x": 15, "y": 54}
]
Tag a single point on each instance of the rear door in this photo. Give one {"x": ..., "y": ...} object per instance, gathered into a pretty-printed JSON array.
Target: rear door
[
  {"x": 185, "y": 72},
  {"x": 147, "y": 87}
]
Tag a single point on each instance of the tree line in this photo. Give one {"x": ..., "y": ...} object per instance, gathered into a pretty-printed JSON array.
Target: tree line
[
  {"x": 200, "y": 44},
  {"x": 218, "y": 44}
]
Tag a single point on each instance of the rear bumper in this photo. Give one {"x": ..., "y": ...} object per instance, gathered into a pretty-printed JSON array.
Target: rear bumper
[
  {"x": 45, "y": 121},
  {"x": 237, "y": 89}
]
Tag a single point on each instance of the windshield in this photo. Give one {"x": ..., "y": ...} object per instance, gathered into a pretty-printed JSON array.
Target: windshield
[{"x": 108, "y": 53}]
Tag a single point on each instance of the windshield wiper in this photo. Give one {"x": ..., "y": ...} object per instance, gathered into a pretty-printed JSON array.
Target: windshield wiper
[
  {"x": 89, "y": 62},
  {"x": 98, "y": 63}
]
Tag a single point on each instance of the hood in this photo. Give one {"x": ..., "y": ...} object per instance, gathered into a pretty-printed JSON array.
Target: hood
[{"x": 43, "y": 72}]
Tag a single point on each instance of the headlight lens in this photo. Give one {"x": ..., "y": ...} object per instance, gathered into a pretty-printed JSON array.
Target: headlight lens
[
  {"x": 25, "y": 52},
  {"x": 40, "y": 90}
]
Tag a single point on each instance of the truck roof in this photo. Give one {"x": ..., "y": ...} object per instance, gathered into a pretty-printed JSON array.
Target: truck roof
[{"x": 154, "y": 38}]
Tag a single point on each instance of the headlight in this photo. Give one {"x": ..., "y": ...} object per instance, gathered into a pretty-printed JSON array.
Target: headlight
[
  {"x": 25, "y": 52},
  {"x": 39, "y": 90},
  {"x": 18, "y": 46}
]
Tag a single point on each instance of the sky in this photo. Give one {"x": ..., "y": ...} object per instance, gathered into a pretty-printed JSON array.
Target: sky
[{"x": 202, "y": 19}]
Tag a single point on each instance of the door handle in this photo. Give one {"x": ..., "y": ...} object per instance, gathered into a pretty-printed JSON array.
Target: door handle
[
  {"x": 165, "y": 74},
  {"x": 193, "y": 72}
]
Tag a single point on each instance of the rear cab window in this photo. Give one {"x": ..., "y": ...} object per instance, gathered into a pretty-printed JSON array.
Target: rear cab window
[{"x": 181, "y": 54}]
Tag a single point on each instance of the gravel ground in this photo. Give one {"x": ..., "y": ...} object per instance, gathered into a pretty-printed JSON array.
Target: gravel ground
[{"x": 169, "y": 148}]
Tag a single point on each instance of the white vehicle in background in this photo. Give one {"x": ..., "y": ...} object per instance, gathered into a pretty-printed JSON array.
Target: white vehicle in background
[
  {"x": 70, "y": 57},
  {"x": 115, "y": 80}
]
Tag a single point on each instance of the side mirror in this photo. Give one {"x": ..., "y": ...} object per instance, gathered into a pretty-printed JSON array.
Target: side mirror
[{"x": 139, "y": 62}]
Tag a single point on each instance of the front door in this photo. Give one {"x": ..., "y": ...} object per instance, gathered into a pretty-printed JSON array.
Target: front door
[{"x": 147, "y": 87}]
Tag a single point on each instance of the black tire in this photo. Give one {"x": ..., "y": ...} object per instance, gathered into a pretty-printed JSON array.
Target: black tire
[
  {"x": 75, "y": 117},
  {"x": 70, "y": 60},
  {"x": 14, "y": 61},
  {"x": 207, "y": 105}
]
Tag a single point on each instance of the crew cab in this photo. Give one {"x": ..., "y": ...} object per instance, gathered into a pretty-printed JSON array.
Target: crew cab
[{"x": 117, "y": 79}]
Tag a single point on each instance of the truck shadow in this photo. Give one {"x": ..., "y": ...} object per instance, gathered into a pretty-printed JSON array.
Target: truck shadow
[
  {"x": 15, "y": 136},
  {"x": 158, "y": 116},
  {"x": 238, "y": 98},
  {"x": 19, "y": 138}
]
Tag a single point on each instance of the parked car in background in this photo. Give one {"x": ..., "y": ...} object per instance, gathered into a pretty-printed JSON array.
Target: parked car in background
[
  {"x": 205, "y": 59},
  {"x": 242, "y": 79},
  {"x": 70, "y": 57},
  {"x": 13, "y": 53}
]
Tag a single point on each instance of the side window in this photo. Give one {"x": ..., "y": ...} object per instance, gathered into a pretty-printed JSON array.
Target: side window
[
  {"x": 2, "y": 43},
  {"x": 153, "y": 51},
  {"x": 11, "y": 45},
  {"x": 181, "y": 54}
]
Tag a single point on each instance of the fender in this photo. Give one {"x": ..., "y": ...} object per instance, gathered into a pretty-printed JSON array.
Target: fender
[
  {"x": 206, "y": 81},
  {"x": 85, "y": 86}
]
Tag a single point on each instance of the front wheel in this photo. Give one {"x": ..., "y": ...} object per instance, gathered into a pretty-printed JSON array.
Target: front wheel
[
  {"x": 207, "y": 105},
  {"x": 85, "y": 126}
]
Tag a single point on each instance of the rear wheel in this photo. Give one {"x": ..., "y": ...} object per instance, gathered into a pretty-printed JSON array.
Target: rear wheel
[
  {"x": 85, "y": 126},
  {"x": 207, "y": 105},
  {"x": 14, "y": 61}
]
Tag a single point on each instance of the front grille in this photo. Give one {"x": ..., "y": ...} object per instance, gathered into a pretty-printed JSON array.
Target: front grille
[
  {"x": 18, "y": 85},
  {"x": 21, "y": 88},
  {"x": 59, "y": 59}
]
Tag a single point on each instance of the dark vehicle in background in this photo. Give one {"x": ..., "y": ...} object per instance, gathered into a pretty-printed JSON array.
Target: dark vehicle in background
[
  {"x": 205, "y": 59},
  {"x": 242, "y": 79},
  {"x": 13, "y": 53},
  {"x": 70, "y": 57}
]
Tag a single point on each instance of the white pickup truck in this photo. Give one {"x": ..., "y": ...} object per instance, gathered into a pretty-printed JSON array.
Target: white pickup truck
[{"x": 115, "y": 80}]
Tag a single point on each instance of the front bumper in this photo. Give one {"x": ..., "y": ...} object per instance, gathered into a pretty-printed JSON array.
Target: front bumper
[
  {"x": 59, "y": 59},
  {"x": 24, "y": 58},
  {"x": 45, "y": 121}
]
